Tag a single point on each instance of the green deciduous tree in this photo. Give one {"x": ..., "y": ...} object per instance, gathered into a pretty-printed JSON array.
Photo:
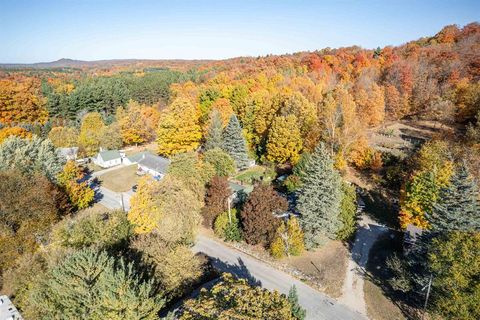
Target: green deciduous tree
[
  {"x": 348, "y": 211},
  {"x": 319, "y": 198},
  {"x": 454, "y": 260},
  {"x": 227, "y": 226},
  {"x": 234, "y": 143},
  {"x": 91, "y": 131},
  {"x": 220, "y": 160}
]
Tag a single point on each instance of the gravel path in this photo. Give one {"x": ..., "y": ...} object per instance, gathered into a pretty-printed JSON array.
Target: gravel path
[{"x": 352, "y": 292}]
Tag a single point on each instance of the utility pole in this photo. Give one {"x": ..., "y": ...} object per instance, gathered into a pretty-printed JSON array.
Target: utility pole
[
  {"x": 123, "y": 204},
  {"x": 429, "y": 286},
  {"x": 229, "y": 200}
]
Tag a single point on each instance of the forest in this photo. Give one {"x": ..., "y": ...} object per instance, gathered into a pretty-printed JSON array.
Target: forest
[{"x": 326, "y": 127}]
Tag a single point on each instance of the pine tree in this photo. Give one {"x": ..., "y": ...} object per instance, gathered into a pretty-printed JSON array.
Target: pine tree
[
  {"x": 297, "y": 311},
  {"x": 348, "y": 210},
  {"x": 235, "y": 144},
  {"x": 458, "y": 207},
  {"x": 319, "y": 198},
  {"x": 214, "y": 137}
]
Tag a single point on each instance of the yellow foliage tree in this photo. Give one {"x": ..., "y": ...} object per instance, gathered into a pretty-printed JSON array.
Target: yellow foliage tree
[
  {"x": 79, "y": 193},
  {"x": 167, "y": 208},
  {"x": 63, "y": 137},
  {"x": 91, "y": 131},
  {"x": 284, "y": 140},
  {"x": 137, "y": 123},
  {"x": 13, "y": 131},
  {"x": 20, "y": 102},
  {"x": 179, "y": 130},
  {"x": 288, "y": 240}
]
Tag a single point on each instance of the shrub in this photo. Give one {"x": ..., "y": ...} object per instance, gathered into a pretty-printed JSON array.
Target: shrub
[{"x": 226, "y": 230}]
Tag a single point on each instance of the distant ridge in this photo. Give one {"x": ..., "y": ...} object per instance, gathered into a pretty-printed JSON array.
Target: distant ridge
[{"x": 70, "y": 63}]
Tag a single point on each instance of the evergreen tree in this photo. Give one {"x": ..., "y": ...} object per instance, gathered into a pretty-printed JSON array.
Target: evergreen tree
[
  {"x": 458, "y": 206},
  {"x": 214, "y": 137},
  {"x": 297, "y": 311},
  {"x": 88, "y": 284},
  {"x": 234, "y": 143},
  {"x": 319, "y": 198}
]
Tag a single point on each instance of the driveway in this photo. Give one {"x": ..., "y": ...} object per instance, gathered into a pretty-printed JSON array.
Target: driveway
[
  {"x": 318, "y": 305},
  {"x": 352, "y": 292},
  {"x": 112, "y": 199}
]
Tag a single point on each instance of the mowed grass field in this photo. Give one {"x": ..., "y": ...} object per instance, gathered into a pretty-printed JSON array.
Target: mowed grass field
[{"x": 120, "y": 180}]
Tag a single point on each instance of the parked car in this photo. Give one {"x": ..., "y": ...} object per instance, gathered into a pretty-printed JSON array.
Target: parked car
[{"x": 134, "y": 188}]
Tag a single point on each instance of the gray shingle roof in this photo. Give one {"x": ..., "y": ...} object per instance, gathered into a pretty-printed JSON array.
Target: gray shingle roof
[
  {"x": 109, "y": 155},
  {"x": 153, "y": 162},
  {"x": 137, "y": 156}
]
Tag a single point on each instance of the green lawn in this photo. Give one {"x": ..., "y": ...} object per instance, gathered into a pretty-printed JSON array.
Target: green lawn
[
  {"x": 254, "y": 173},
  {"x": 120, "y": 180}
]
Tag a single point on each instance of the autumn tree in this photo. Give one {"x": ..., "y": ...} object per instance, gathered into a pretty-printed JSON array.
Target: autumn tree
[
  {"x": 110, "y": 137},
  {"x": 91, "y": 130},
  {"x": 179, "y": 130},
  {"x": 78, "y": 190},
  {"x": 220, "y": 160},
  {"x": 258, "y": 220},
  {"x": 176, "y": 268},
  {"x": 420, "y": 192},
  {"x": 166, "y": 208},
  {"x": 14, "y": 131},
  {"x": 29, "y": 156},
  {"x": 319, "y": 198},
  {"x": 234, "y": 143},
  {"x": 137, "y": 123},
  {"x": 288, "y": 240},
  {"x": 63, "y": 137},
  {"x": 284, "y": 142},
  {"x": 90, "y": 228},
  {"x": 29, "y": 205},
  {"x": 218, "y": 191},
  {"x": 371, "y": 103},
  {"x": 192, "y": 172},
  {"x": 236, "y": 299},
  {"x": 20, "y": 102}
]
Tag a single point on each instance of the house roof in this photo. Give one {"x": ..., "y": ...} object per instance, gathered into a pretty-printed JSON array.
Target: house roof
[
  {"x": 237, "y": 187},
  {"x": 137, "y": 156},
  {"x": 153, "y": 162},
  {"x": 109, "y": 155}
]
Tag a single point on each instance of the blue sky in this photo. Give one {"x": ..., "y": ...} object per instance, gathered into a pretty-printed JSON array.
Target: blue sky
[{"x": 45, "y": 30}]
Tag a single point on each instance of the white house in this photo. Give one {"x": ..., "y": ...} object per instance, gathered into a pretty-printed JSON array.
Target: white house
[
  {"x": 8, "y": 310},
  {"x": 154, "y": 165},
  {"x": 108, "y": 158},
  {"x": 134, "y": 158}
]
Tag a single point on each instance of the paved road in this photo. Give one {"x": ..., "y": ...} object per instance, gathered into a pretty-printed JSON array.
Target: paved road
[{"x": 318, "y": 305}]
